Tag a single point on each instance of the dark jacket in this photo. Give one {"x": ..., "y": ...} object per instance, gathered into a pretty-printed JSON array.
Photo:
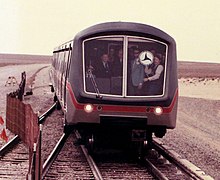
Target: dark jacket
[{"x": 101, "y": 71}]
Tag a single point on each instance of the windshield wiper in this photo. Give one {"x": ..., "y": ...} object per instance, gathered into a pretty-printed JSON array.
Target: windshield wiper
[{"x": 91, "y": 77}]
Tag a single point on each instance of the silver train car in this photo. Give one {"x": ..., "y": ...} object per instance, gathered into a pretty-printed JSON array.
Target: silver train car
[{"x": 117, "y": 79}]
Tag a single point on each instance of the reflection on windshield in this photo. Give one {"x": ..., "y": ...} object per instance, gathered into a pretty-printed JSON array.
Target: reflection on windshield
[
  {"x": 139, "y": 73},
  {"x": 104, "y": 58}
]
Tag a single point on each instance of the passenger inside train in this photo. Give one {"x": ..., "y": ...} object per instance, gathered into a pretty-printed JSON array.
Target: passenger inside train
[
  {"x": 111, "y": 69},
  {"x": 154, "y": 76}
]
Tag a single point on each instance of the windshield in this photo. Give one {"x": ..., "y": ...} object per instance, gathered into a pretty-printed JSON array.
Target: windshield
[{"x": 124, "y": 66}]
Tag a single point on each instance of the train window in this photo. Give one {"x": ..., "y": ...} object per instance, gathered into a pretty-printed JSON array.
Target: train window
[
  {"x": 146, "y": 67},
  {"x": 124, "y": 66},
  {"x": 62, "y": 56},
  {"x": 103, "y": 59},
  {"x": 56, "y": 60}
]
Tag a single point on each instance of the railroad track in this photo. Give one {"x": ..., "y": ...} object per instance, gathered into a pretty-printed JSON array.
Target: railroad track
[
  {"x": 43, "y": 116},
  {"x": 14, "y": 155},
  {"x": 128, "y": 166},
  {"x": 71, "y": 161},
  {"x": 183, "y": 166},
  {"x": 67, "y": 161},
  {"x": 9, "y": 145},
  {"x": 14, "y": 159}
]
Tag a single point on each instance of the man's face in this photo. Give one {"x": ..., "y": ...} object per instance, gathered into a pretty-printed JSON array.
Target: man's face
[
  {"x": 136, "y": 53},
  {"x": 105, "y": 58}
]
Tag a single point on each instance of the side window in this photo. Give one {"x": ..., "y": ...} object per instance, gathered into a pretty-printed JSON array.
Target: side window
[
  {"x": 57, "y": 61},
  {"x": 54, "y": 59},
  {"x": 54, "y": 62},
  {"x": 61, "y": 60},
  {"x": 66, "y": 60}
]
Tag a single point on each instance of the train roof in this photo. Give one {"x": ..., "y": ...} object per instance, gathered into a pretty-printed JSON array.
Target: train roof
[
  {"x": 124, "y": 28},
  {"x": 129, "y": 28}
]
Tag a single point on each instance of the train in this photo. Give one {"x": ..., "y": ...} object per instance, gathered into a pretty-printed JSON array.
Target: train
[{"x": 117, "y": 80}]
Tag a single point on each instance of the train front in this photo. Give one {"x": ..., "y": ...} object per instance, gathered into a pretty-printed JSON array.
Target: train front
[{"x": 123, "y": 78}]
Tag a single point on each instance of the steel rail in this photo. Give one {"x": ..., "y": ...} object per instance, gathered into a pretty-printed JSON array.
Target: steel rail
[
  {"x": 95, "y": 170},
  {"x": 53, "y": 155},
  {"x": 43, "y": 117},
  {"x": 156, "y": 172},
  {"x": 186, "y": 166},
  {"x": 14, "y": 141}
]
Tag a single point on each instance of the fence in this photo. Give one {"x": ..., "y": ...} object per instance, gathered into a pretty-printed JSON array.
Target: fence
[
  {"x": 21, "y": 120},
  {"x": 19, "y": 93},
  {"x": 35, "y": 164}
]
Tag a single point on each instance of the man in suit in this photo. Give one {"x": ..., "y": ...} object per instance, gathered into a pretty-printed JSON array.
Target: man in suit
[
  {"x": 103, "y": 68},
  {"x": 136, "y": 75}
]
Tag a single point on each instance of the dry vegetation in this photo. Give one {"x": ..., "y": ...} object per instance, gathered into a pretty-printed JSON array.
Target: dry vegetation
[
  {"x": 185, "y": 69},
  {"x": 14, "y": 59},
  {"x": 198, "y": 70}
]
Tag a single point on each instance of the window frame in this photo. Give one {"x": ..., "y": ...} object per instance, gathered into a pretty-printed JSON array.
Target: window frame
[{"x": 125, "y": 64}]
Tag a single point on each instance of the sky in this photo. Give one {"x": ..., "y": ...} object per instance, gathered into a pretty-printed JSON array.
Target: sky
[{"x": 36, "y": 27}]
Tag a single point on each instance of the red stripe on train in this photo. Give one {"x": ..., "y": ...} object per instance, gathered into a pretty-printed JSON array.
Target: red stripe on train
[{"x": 118, "y": 108}]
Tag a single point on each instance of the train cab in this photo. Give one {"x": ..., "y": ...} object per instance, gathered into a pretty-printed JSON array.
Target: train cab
[{"x": 119, "y": 76}]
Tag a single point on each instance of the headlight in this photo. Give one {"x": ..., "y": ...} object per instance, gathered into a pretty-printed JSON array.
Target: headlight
[
  {"x": 88, "y": 108},
  {"x": 158, "y": 110}
]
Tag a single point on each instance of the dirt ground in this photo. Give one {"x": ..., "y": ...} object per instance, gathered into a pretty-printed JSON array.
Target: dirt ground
[{"x": 197, "y": 135}]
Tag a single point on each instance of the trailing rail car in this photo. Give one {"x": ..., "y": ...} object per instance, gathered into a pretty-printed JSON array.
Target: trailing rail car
[{"x": 117, "y": 79}]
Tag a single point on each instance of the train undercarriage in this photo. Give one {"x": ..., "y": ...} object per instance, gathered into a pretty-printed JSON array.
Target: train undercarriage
[{"x": 98, "y": 137}]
